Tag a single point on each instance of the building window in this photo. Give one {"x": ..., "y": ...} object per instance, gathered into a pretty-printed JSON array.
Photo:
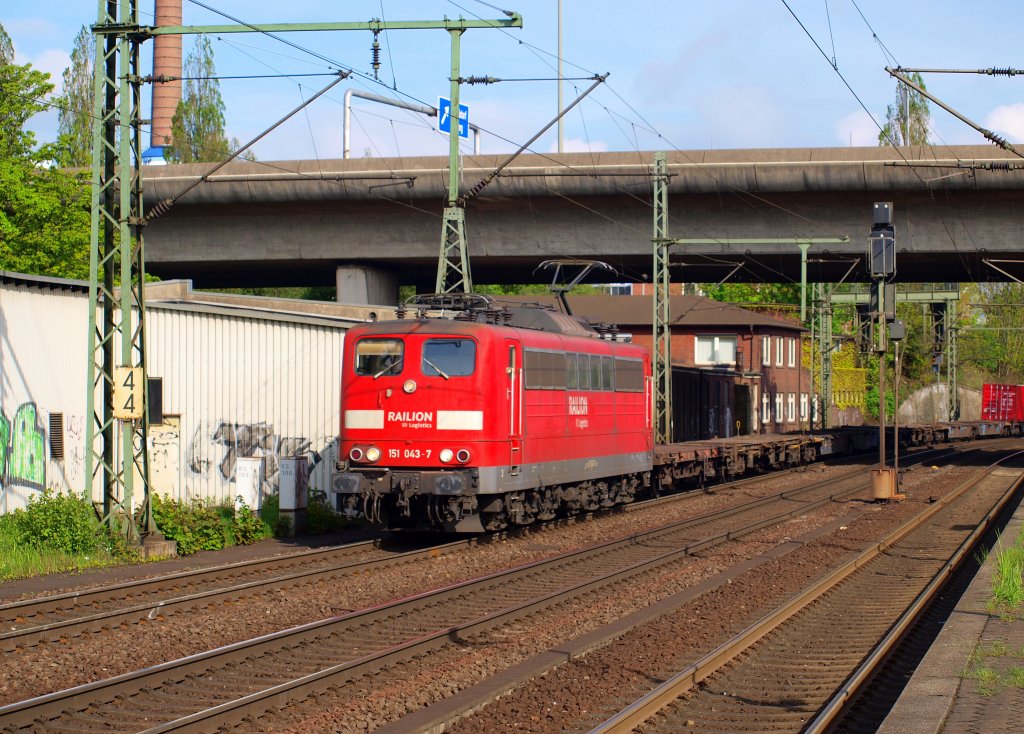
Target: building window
[
  {"x": 778, "y": 351},
  {"x": 778, "y": 407},
  {"x": 791, "y": 407},
  {"x": 766, "y": 350},
  {"x": 803, "y": 406},
  {"x": 791, "y": 351},
  {"x": 766, "y": 408},
  {"x": 715, "y": 350}
]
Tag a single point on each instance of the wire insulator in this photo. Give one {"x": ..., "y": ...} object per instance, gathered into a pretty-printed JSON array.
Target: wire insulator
[
  {"x": 481, "y": 80},
  {"x": 375, "y": 51},
  {"x": 1003, "y": 72},
  {"x": 998, "y": 140},
  {"x": 161, "y": 208}
]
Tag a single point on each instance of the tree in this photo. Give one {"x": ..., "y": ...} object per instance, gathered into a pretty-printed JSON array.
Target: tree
[
  {"x": 197, "y": 128},
  {"x": 896, "y": 130},
  {"x": 74, "y": 116},
  {"x": 6, "y": 47},
  {"x": 996, "y": 341},
  {"x": 44, "y": 211}
]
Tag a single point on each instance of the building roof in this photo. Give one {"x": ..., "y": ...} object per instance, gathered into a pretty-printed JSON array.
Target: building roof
[
  {"x": 688, "y": 311},
  {"x": 43, "y": 282}
]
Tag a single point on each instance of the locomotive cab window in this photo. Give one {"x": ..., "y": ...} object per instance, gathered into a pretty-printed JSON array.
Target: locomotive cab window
[
  {"x": 379, "y": 357},
  {"x": 448, "y": 357}
]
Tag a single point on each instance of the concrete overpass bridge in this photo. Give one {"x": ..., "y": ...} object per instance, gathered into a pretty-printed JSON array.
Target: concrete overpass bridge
[{"x": 368, "y": 225}]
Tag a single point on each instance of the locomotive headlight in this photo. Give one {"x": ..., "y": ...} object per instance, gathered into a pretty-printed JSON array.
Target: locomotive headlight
[
  {"x": 356, "y": 454},
  {"x": 446, "y": 455},
  {"x": 409, "y": 386},
  {"x": 372, "y": 454},
  {"x": 462, "y": 456}
]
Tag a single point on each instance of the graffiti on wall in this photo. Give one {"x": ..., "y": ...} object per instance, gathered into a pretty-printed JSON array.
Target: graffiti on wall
[
  {"x": 217, "y": 446},
  {"x": 22, "y": 445}
]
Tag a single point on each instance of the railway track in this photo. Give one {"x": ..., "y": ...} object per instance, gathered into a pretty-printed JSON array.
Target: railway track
[
  {"x": 224, "y": 686},
  {"x": 798, "y": 667},
  {"x": 61, "y": 616},
  {"x": 40, "y": 620}
]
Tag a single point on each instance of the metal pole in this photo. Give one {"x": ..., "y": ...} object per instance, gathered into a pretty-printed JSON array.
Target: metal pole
[
  {"x": 896, "y": 416},
  {"x": 826, "y": 360},
  {"x": 560, "y": 75},
  {"x": 814, "y": 344},
  {"x": 346, "y": 124},
  {"x": 881, "y": 405},
  {"x": 662, "y": 363},
  {"x": 804, "y": 246}
]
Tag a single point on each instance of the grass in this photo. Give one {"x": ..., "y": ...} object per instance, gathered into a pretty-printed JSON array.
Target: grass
[
  {"x": 1015, "y": 676},
  {"x": 1006, "y": 600},
  {"x": 19, "y": 559},
  {"x": 989, "y": 680},
  {"x": 1007, "y": 597},
  {"x": 985, "y": 676}
]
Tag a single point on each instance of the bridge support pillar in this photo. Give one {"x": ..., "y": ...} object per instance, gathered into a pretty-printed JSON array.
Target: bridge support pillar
[{"x": 362, "y": 285}]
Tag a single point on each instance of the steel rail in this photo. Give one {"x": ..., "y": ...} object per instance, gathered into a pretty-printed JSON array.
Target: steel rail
[
  {"x": 77, "y": 597},
  {"x": 150, "y": 609},
  {"x": 837, "y": 704},
  {"x": 650, "y": 704},
  {"x": 234, "y": 712},
  {"x": 53, "y": 705},
  {"x": 29, "y": 636}
]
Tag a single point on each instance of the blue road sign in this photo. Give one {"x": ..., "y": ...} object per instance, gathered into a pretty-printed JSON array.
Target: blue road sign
[{"x": 444, "y": 117}]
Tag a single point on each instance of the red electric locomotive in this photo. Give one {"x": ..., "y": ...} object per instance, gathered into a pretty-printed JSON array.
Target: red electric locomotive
[{"x": 500, "y": 416}]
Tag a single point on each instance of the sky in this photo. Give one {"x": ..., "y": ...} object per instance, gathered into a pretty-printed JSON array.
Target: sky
[{"x": 684, "y": 75}]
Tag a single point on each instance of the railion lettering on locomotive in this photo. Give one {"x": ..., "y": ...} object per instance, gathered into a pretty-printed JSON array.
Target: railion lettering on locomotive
[
  {"x": 412, "y": 418},
  {"x": 578, "y": 405}
]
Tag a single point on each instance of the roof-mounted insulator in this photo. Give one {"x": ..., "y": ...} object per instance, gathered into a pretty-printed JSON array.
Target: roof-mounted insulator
[{"x": 375, "y": 51}]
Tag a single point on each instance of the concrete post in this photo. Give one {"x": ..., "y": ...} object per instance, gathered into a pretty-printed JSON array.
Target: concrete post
[{"x": 363, "y": 285}]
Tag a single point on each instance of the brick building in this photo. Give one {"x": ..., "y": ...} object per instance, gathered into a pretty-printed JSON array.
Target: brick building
[{"x": 734, "y": 371}]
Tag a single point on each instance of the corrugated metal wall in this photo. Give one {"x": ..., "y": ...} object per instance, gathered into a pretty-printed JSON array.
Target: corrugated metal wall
[{"x": 235, "y": 386}]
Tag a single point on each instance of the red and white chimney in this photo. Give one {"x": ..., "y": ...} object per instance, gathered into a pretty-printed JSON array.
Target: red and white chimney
[{"x": 166, "y": 63}]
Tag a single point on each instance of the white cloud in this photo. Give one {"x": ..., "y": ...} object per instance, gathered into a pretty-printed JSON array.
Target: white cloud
[
  {"x": 857, "y": 128},
  {"x": 53, "y": 61},
  {"x": 1007, "y": 119}
]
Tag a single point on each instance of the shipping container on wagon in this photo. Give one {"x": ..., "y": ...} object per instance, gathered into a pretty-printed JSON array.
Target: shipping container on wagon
[{"x": 1002, "y": 402}]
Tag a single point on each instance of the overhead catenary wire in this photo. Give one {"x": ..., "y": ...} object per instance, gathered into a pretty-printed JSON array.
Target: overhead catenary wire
[
  {"x": 635, "y": 128},
  {"x": 162, "y": 206}
]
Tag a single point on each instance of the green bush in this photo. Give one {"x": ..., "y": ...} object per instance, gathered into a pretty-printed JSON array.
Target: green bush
[
  {"x": 320, "y": 518},
  {"x": 248, "y": 527},
  {"x": 198, "y": 525},
  {"x": 59, "y": 522},
  {"x": 274, "y": 523}
]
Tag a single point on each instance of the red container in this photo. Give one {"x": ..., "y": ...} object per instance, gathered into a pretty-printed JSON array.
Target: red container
[{"x": 1002, "y": 402}]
